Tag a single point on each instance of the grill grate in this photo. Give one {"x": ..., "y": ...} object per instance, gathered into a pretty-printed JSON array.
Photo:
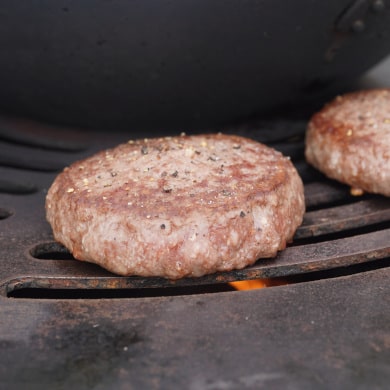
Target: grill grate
[{"x": 339, "y": 230}]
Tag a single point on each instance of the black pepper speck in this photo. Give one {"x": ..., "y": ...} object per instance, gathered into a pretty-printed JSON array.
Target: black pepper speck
[{"x": 144, "y": 150}]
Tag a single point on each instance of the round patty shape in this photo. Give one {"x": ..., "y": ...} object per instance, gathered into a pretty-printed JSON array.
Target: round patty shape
[
  {"x": 177, "y": 206},
  {"x": 349, "y": 140}
]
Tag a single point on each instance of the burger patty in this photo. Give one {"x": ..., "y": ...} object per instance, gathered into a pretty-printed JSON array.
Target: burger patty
[
  {"x": 349, "y": 140},
  {"x": 177, "y": 206}
]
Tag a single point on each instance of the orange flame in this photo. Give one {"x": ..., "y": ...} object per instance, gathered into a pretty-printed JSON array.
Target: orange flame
[{"x": 257, "y": 283}]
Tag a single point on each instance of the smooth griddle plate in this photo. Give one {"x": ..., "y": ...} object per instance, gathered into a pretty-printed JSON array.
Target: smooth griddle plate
[{"x": 338, "y": 230}]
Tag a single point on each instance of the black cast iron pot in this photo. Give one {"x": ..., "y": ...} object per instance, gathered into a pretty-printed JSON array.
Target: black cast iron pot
[{"x": 150, "y": 64}]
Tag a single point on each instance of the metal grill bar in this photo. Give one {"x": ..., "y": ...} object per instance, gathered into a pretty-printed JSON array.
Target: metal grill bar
[{"x": 31, "y": 259}]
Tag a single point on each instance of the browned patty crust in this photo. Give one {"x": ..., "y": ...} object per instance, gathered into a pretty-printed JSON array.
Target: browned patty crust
[
  {"x": 349, "y": 140},
  {"x": 177, "y": 206}
]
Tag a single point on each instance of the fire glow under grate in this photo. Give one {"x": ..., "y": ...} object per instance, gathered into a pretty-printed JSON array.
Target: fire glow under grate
[
  {"x": 339, "y": 230},
  {"x": 326, "y": 328}
]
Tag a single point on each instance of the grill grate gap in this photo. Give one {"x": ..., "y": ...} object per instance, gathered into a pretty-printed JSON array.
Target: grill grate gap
[
  {"x": 51, "y": 251},
  {"x": 4, "y": 213},
  {"x": 47, "y": 293}
]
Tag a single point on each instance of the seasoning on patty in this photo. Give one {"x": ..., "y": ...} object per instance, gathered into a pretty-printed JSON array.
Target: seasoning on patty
[
  {"x": 349, "y": 140},
  {"x": 177, "y": 207}
]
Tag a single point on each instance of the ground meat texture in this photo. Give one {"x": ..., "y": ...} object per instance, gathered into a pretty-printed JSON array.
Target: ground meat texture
[
  {"x": 177, "y": 207},
  {"x": 349, "y": 140}
]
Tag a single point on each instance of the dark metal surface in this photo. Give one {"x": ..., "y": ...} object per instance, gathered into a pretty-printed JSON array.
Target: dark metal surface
[
  {"x": 329, "y": 333},
  {"x": 180, "y": 63}
]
